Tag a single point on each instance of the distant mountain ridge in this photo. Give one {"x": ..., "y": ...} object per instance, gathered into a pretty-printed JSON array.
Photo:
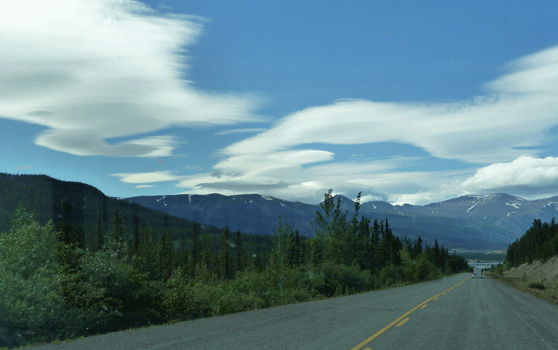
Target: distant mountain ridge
[
  {"x": 471, "y": 222},
  {"x": 468, "y": 222}
]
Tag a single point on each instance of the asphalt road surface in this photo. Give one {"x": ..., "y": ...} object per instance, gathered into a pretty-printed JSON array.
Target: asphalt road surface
[{"x": 452, "y": 313}]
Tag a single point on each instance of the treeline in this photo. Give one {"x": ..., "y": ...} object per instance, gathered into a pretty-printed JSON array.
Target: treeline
[
  {"x": 57, "y": 284},
  {"x": 540, "y": 242}
]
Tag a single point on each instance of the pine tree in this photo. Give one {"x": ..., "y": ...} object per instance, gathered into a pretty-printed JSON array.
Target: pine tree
[
  {"x": 295, "y": 250},
  {"x": 194, "y": 252},
  {"x": 282, "y": 244},
  {"x": 239, "y": 252},
  {"x": 204, "y": 252},
  {"x": 437, "y": 254},
  {"x": 417, "y": 248},
  {"x": 117, "y": 229},
  {"x": 183, "y": 255},
  {"x": 167, "y": 260},
  {"x": 31, "y": 201},
  {"x": 147, "y": 251},
  {"x": 373, "y": 256},
  {"x": 331, "y": 223},
  {"x": 224, "y": 261},
  {"x": 136, "y": 235},
  {"x": 99, "y": 232}
]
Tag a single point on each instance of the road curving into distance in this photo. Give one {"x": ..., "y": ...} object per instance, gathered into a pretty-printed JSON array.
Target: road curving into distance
[{"x": 457, "y": 312}]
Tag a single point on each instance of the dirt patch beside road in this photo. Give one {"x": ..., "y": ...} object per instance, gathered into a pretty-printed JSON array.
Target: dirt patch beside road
[{"x": 537, "y": 272}]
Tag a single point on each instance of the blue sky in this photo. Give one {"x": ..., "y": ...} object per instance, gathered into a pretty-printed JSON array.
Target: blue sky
[{"x": 408, "y": 102}]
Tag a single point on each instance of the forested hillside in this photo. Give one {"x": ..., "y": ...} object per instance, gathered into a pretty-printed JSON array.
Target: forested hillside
[
  {"x": 83, "y": 206},
  {"x": 54, "y": 284},
  {"x": 540, "y": 242}
]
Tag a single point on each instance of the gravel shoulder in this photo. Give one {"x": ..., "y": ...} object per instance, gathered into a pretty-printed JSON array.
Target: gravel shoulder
[
  {"x": 537, "y": 272},
  {"x": 526, "y": 277}
]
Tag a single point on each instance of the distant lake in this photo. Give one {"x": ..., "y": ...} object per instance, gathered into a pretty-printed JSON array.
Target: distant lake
[{"x": 485, "y": 264}]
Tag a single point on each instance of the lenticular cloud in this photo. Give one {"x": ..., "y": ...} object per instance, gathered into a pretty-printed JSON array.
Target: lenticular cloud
[{"x": 104, "y": 69}]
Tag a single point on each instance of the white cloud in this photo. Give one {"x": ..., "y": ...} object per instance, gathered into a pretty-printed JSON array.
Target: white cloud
[
  {"x": 93, "y": 70},
  {"x": 418, "y": 198},
  {"x": 140, "y": 178},
  {"x": 516, "y": 115},
  {"x": 522, "y": 105},
  {"x": 281, "y": 175},
  {"x": 369, "y": 198},
  {"x": 528, "y": 177},
  {"x": 144, "y": 186},
  {"x": 524, "y": 172},
  {"x": 236, "y": 131}
]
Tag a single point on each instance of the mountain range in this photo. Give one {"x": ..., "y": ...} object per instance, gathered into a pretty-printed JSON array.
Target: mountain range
[
  {"x": 489, "y": 222},
  {"x": 467, "y": 222}
]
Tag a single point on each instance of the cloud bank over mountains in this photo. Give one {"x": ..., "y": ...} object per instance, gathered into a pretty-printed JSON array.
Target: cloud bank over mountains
[{"x": 493, "y": 131}]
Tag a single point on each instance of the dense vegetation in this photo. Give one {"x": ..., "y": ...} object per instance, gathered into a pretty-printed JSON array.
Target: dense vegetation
[
  {"x": 57, "y": 283},
  {"x": 540, "y": 242}
]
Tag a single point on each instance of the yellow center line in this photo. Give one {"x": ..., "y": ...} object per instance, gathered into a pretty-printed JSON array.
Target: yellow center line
[
  {"x": 375, "y": 335},
  {"x": 422, "y": 307},
  {"x": 402, "y": 322}
]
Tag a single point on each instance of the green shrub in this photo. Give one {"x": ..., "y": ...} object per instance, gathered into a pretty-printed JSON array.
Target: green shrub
[
  {"x": 390, "y": 275},
  {"x": 537, "y": 285}
]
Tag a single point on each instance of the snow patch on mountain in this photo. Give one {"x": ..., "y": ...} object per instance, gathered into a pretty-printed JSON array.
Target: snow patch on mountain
[{"x": 514, "y": 204}]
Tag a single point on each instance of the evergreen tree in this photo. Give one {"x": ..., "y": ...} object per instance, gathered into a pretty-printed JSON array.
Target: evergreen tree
[
  {"x": 183, "y": 262},
  {"x": 294, "y": 257},
  {"x": 224, "y": 261},
  {"x": 437, "y": 254},
  {"x": 373, "y": 256},
  {"x": 194, "y": 252},
  {"x": 117, "y": 228},
  {"x": 239, "y": 252},
  {"x": 31, "y": 201},
  {"x": 417, "y": 247},
  {"x": 99, "y": 232},
  {"x": 204, "y": 252},
  {"x": 283, "y": 242},
  {"x": 136, "y": 235},
  {"x": 331, "y": 223},
  {"x": 147, "y": 253},
  {"x": 167, "y": 259}
]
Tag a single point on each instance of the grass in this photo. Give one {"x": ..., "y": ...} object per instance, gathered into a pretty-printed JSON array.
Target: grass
[{"x": 538, "y": 289}]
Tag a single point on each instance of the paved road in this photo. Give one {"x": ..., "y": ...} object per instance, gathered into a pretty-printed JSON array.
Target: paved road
[{"x": 452, "y": 313}]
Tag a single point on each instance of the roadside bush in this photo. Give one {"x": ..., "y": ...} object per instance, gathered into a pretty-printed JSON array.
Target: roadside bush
[
  {"x": 31, "y": 301},
  {"x": 390, "y": 275},
  {"x": 537, "y": 285},
  {"x": 183, "y": 301},
  {"x": 344, "y": 277},
  {"x": 499, "y": 270}
]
